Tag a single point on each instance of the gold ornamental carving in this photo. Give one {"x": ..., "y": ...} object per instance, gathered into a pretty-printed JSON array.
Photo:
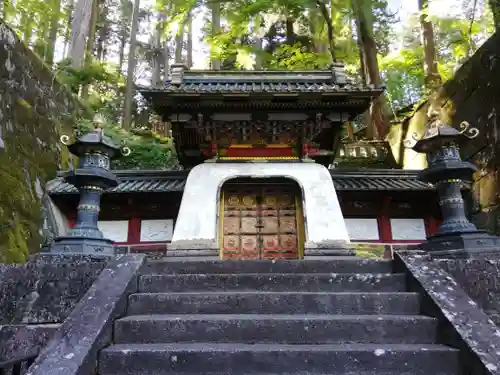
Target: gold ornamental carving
[
  {"x": 233, "y": 200},
  {"x": 248, "y": 201}
]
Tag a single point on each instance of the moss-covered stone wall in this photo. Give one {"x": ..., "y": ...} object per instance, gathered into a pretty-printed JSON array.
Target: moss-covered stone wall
[
  {"x": 34, "y": 110},
  {"x": 473, "y": 96}
]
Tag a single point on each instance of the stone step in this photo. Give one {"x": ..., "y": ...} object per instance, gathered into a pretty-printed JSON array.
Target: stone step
[
  {"x": 338, "y": 265},
  {"x": 333, "y": 282},
  {"x": 286, "y": 329},
  {"x": 274, "y": 359},
  {"x": 273, "y": 303}
]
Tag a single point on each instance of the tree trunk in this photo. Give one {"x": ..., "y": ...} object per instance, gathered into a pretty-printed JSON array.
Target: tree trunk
[
  {"x": 6, "y": 9},
  {"x": 54, "y": 28},
  {"x": 157, "y": 55},
  {"x": 329, "y": 26},
  {"x": 103, "y": 31},
  {"x": 67, "y": 31},
  {"x": 27, "y": 27},
  {"x": 42, "y": 32},
  {"x": 121, "y": 52},
  {"x": 129, "y": 89},
  {"x": 259, "y": 35},
  {"x": 179, "y": 41},
  {"x": 80, "y": 27},
  {"x": 316, "y": 23},
  {"x": 376, "y": 126},
  {"x": 166, "y": 56},
  {"x": 495, "y": 9},
  {"x": 432, "y": 77},
  {"x": 258, "y": 53},
  {"x": 189, "y": 45},
  {"x": 362, "y": 66},
  {"x": 215, "y": 62},
  {"x": 290, "y": 34},
  {"x": 90, "y": 43}
]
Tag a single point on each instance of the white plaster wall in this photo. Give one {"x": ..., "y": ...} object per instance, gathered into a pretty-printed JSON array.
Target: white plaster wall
[
  {"x": 408, "y": 229},
  {"x": 114, "y": 230},
  {"x": 362, "y": 229},
  {"x": 198, "y": 214},
  {"x": 157, "y": 230}
]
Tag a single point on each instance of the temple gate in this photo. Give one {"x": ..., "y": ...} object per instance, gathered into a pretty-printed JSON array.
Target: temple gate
[{"x": 258, "y": 145}]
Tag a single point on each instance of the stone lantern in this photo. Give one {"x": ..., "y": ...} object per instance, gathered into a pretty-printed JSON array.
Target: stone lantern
[
  {"x": 92, "y": 177},
  {"x": 456, "y": 237}
]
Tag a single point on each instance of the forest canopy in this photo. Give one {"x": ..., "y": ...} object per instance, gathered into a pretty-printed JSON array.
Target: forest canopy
[{"x": 102, "y": 48}]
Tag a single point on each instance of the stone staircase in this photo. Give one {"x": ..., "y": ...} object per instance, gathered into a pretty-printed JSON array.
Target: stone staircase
[{"x": 339, "y": 317}]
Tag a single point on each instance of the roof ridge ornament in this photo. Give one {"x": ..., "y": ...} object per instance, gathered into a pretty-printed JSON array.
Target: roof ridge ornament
[
  {"x": 177, "y": 73},
  {"x": 338, "y": 73}
]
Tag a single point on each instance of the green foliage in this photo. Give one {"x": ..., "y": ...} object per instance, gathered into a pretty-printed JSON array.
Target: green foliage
[
  {"x": 297, "y": 57},
  {"x": 403, "y": 75},
  {"x": 95, "y": 72},
  {"x": 370, "y": 251},
  {"x": 149, "y": 149},
  {"x": 456, "y": 40}
]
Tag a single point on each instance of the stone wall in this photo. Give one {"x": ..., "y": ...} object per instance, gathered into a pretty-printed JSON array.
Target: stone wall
[
  {"x": 480, "y": 278},
  {"x": 472, "y": 96},
  {"x": 37, "y": 296},
  {"x": 34, "y": 110}
]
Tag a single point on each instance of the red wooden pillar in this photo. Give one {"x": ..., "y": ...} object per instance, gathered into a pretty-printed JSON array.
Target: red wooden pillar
[
  {"x": 431, "y": 225},
  {"x": 384, "y": 221},
  {"x": 71, "y": 221},
  {"x": 134, "y": 231}
]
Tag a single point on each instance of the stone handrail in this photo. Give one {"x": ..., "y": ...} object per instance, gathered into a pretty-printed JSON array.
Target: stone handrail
[
  {"x": 462, "y": 323},
  {"x": 74, "y": 348}
]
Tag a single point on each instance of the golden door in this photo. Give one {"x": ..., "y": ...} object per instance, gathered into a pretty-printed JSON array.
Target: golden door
[{"x": 260, "y": 222}]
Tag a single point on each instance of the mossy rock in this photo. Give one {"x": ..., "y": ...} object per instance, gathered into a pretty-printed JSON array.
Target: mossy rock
[
  {"x": 35, "y": 109},
  {"x": 370, "y": 251}
]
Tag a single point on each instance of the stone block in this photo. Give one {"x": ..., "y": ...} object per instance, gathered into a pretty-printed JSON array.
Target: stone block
[
  {"x": 24, "y": 340},
  {"x": 188, "y": 358},
  {"x": 273, "y": 303},
  {"x": 46, "y": 289},
  {"x": 333, "y": 282},
  {"x": 276, "y": 328}
]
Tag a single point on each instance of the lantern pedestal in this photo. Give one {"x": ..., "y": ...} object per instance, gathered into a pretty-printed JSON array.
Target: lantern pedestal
[
  {"x": 478, "y": 244},
  {"x": 456, "y": 237},
  {"x": 91, "y": 178},
  {"x": 83, "y": 245}
]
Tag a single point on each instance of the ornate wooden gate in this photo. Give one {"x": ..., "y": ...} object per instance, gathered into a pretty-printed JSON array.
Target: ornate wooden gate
[{"x": 261, "y": 221}]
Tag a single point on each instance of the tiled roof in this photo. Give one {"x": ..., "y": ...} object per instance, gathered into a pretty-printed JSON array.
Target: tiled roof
[
  {"x": 175, "y": 181},
  {"x": 271, "y": 81},
  {"x": 263, "y": 86},
  {"x": 374, "y": 183}
]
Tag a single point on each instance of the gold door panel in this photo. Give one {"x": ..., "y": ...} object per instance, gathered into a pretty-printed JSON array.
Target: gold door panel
[
  {"x": 269, "y": 224},
  {"x": 249, "y": 225},
  {"x": 232, "y": 242},
  {"x": 231, "y": 225},
  {"x": 288, "y": 224},
  {"x": 249, "y": 247},
  {"x": 259, "y": 222},
  {"x": 288, "y": 241}
]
